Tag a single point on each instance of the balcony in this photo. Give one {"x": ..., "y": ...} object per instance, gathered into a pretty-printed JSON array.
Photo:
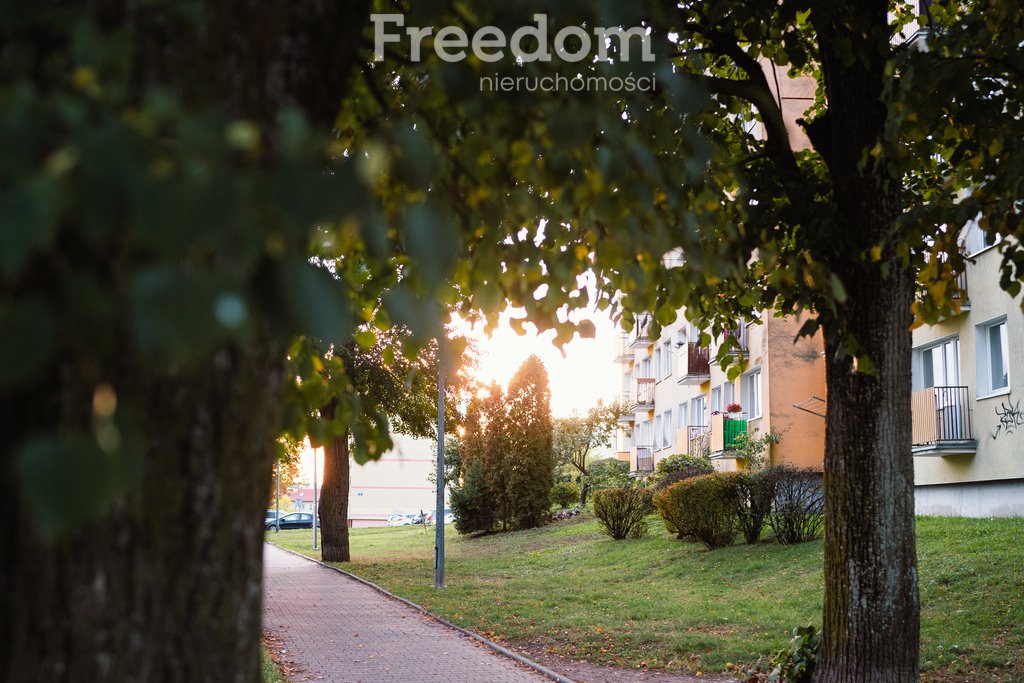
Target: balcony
[
  {"x": 725, "y": 434},
  {"x": 641, "y": 335},
  {"x": 644, "y": 394},
  {"x": 624, "y": 353},
  {"x": 740, "y": 335},
  {"x": 644, "y": 459},
  {"x": 914, "y": 34},
  {"x": 693, "y": 440},
  {"x": 942, "y": 422},
  {"x": 694, "y": 364}
]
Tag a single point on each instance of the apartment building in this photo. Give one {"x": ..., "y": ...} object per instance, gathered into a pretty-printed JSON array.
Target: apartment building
[
  {"x": 968, "y": 381},
  {"x": 678, "y": 398}
]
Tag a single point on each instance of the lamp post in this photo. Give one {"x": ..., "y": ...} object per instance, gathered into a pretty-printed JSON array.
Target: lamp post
[
  {"x": 314, "y": 498},
  {"x": 439, "y": 503}
]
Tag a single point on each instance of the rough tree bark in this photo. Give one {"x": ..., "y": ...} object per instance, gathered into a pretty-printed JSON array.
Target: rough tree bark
[
  {"x": 167, "y": 587},
  {"x": 871, "y": 614},
  {"x": 333, "y": 505}
]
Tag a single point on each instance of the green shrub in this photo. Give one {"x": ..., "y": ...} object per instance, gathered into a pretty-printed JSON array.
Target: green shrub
[
  {"x": 681, "y": 462},
  {"x": 795, "y": 664},
  {"x": 703, "y": 507},
  {"x": 756, "y": 492},
  {"x": 609, "y": 473},
  {"x": 667, "y": 480},
  {"x": 564, "y": 494},
  {"x": 471, "y": 503},
  {"x": 621, "y": 511},
  {"x": 797, "y": 513}
]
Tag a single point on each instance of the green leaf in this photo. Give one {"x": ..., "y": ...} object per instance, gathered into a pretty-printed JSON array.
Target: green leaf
[
  {"x": 70, "y": 482},
  {"x": 312, "y": 301},
  {"x": 26, "y": 340}
]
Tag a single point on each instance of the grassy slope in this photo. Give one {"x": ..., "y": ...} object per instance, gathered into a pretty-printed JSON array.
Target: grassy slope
[{"x": 671, "y": 604}]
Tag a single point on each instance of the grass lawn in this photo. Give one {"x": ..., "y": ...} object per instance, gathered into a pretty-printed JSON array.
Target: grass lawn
[
  {"x": 663, "y": 603},
  {"x": 269, "y": 670}
]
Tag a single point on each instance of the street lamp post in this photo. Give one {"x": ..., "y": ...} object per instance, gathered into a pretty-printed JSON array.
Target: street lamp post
[
  {"x": 439, "y": 503},
  {"x": 314, "y": 499}
]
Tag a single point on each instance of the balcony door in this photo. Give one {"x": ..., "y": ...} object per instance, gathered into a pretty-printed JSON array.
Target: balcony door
[
  {"x": 940, "y": 364},
  {"x": 697, "y": 407}
]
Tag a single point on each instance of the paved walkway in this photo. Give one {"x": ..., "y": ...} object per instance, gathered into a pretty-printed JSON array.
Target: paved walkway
[{"x": 333, "y": 628}]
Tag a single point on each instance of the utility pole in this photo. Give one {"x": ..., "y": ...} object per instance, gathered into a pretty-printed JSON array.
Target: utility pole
[
  {"x": 277, "y": 476},
  {"x": 314, "y": 498},
  {"x": 439, "y": 505}
]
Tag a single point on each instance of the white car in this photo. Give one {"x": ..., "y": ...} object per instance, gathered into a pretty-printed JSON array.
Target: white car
[{"x": 400, "y": 520}]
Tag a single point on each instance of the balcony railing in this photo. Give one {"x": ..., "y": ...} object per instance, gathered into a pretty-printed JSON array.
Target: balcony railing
[
  {"x": 644, "y": 459},
  {"x": 623, "y": 354},
  {"x": 694, "y": 364},
  {"x": 697, "y": 440},
  {"x": 725, "y": 433},
  {"x": 644, "y": 393},
  {"x": 942, "y": 421},
  {"x": 740, "y": 335},
  {"x": 641, "y": 335}
]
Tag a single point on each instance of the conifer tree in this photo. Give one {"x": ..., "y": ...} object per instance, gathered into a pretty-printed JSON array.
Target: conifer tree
[{"x": 531, "y": 468}]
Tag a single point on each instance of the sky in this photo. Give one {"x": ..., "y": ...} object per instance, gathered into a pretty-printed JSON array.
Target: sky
[{"x": 586, "y": 373}]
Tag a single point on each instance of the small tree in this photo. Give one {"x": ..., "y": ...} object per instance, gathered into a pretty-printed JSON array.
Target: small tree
[{"x": 577, "y": 435}]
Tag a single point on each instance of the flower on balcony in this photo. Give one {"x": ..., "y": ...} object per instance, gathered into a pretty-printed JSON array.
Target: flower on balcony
[{"x": 734, "y": 408}]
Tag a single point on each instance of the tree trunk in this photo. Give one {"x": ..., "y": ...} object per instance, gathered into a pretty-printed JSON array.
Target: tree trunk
[
  {"x": 584, "y": 490},
  {"x": 871, "y": 613},
  {"x": 334, "y": 500},
  {"x": 168, "y": 586}
]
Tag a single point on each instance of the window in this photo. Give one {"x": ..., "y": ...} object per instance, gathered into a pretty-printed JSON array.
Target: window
[
  {"x": 977, "y": 240},
  {"x": 727, "y": 394},
  {"x": 697, "y": 408},
  {"x": 657, "y": 363},
  {"x": 993, "y": 357},
  {"x": 716, "y": 399},
  {"x": 666, "y": 425},
  {"x": 657, "y": 432},
  {"x": 752, "y": 393},
  {"x": 645, "y": 367},
  {"x": 666, "y": 359},
  {"x": 937, "y": 365},
  {"x": 682, "y": 415}
]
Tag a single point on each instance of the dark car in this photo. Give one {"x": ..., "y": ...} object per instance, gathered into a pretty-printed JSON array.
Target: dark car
[{"x": 295, "y": 520}]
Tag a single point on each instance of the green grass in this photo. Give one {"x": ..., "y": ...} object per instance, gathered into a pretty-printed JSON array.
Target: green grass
[
  {"x": 269, "y": 670},
  {"x": 663, "y": 603}
]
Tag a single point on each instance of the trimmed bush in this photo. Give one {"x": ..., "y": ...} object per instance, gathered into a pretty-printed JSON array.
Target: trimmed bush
[
  {"x": 797, "y": 513},
  {"x": 703, "y": 507},
  {"x": 564, "y": 494},
  {"x": 756, "y": 492},
  {"x": 621, "y": 511},
  {"x": 682, "y": 462},
  {"x": 667, "y": 480}
]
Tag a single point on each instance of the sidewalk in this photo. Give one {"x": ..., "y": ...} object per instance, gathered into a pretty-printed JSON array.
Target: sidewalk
[{"x": 335, "y": 629}]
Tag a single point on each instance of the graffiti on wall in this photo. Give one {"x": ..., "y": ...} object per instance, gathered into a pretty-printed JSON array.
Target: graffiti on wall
[{"x": 1011, "y": 418}]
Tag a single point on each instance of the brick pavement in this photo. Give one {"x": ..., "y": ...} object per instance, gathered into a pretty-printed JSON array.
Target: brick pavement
[{"x": 335, "y": 629}]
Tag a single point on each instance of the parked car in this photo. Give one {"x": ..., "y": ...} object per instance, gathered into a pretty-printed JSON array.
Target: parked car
[
  {"x": 295, "y": 520},
  {"x": 400, "y": 520},
  {"x": 269, "y": 517},
  {"x": 449, "y": 516}
]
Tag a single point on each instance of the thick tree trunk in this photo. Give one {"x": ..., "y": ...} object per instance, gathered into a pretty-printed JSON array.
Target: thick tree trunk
[
  {"x": 168, "y": 586},
  {"x": 871, "y": 615},
  {"x": 334, "y": 500}
]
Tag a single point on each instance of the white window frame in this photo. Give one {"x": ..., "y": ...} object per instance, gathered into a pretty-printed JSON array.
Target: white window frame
[
  {"x": 666, "y": 429},
  {"x": 698, "y": 404},
  {"x": 920, "y": 367},
  {"x": 666, "y": 358},
  {"x": 683, "y": 414},
  {"x": 716, "y": 399},
  {"x": 751, "y": 398},
  {"x": 983, "y": 332}
]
